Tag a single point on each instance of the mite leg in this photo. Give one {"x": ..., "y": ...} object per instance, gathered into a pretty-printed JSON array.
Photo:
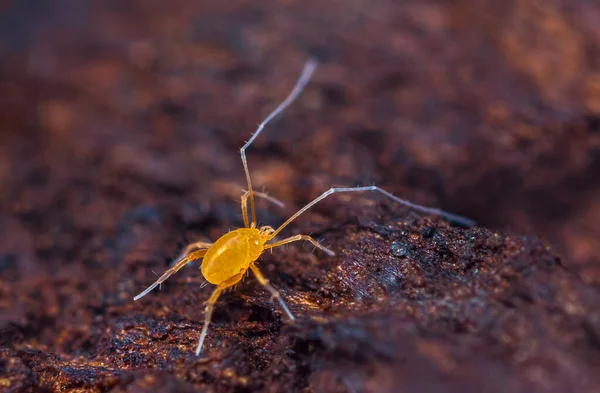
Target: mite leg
[
  {"x": 298, "y": 87},
  {"x": 260, "y": 195},
  {"x": 188, "y": 258},
  {"x": 423, "y": 209},
  {"x": 189, "y": 248},
  {"x": 245, "y": 208},
  {"x": 300, "y": 237},
  {"x": 210, "y": 305},
  {"x": 274, "y": 292},
  {"x": 268, "y": 197}
]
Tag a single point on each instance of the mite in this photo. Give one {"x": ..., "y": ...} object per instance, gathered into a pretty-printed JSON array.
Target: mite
[{"x": 227, "y": 260}]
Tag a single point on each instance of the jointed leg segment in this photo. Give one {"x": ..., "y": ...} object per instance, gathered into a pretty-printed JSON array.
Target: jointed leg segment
[
  {"x": 248, "y": 194},
  {"x": 191, "y": 247},
  {"x": 274, "y": 292},
  {"x": 210, "y": 305},
  {"x": 188, "y": 258},
  {"x": 300, "y": 237}
]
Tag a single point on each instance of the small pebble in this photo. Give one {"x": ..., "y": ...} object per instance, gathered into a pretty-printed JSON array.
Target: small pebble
[{"x": 428, "y": 231}]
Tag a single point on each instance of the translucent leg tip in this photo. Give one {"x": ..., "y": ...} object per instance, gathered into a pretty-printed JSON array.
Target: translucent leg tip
[
  {"x": 199, "y": 349},
  {"x": 201, "y": 341},
  {"x": 285, "y": 308}
]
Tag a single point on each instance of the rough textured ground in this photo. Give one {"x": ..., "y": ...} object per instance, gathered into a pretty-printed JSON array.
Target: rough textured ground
[{"x": 120, "y": 124}]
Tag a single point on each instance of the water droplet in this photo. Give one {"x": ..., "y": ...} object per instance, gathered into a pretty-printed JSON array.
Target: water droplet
[{"x": 398, "y": 249}]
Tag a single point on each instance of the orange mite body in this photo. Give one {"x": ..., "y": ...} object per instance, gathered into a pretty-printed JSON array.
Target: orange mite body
[{"x": 228, "y": 259}]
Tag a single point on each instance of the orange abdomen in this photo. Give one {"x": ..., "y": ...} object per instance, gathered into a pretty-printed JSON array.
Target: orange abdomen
[{"x": 231, "y": 255}]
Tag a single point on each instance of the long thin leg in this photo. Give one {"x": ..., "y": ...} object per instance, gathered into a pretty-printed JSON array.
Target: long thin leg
[
  {"x": 260, "y": 195},
  {"x": 191, "y": 247},
  {"x": 210, "y": 305},
  {"x": 190, "y": 257},
  {"x": 429, "y": 210},
  {"x": 274, "y": 292},
  {"x": 268, "y": 197},
  {"x": 300, "y": 237},
  {"x": 307, "y": 71}
]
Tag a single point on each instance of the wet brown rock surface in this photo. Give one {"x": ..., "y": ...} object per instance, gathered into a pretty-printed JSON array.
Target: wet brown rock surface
[{"x": 120, "y": 124}]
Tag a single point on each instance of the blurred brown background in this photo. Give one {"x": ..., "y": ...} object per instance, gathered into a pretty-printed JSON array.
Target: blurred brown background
[
  {"x": 120, "y": 124},
  {"x": 489, "y": 108}
]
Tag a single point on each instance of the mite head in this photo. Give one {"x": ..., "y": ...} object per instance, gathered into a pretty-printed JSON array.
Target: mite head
[{"x": 266, "y": 232}]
